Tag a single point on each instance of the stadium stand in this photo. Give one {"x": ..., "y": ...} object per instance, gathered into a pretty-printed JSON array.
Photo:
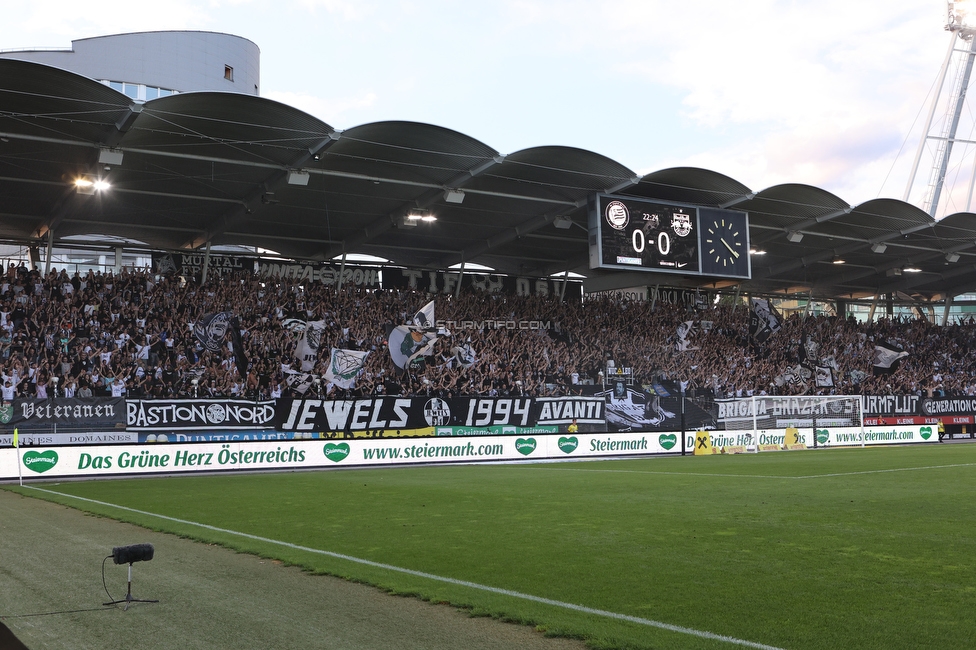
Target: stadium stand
[{"x": 132, "y": 334}]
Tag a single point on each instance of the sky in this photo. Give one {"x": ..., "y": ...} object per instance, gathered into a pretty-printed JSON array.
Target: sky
[{"x": 830, "y": 93}]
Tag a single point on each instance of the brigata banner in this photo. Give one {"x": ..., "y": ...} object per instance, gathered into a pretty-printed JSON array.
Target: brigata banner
[
  {"x": 181, "y": 414},
  {"x": 411, "y": 416},
  {"x": 79, "y": 412},
  {"x": 53, "y": 462}
]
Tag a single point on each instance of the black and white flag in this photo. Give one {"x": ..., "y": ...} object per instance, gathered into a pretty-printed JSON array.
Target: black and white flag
[
  {"x": 887, "y": 357},
  {"x": 309, "y": 338},
  {"x": 682, "y": 343},
  {"x": 764, "y": 320},
  {"x": 825, "y": 377},
  {"x": 345, "y": 366},
  {"x": 211, "y": 329}
]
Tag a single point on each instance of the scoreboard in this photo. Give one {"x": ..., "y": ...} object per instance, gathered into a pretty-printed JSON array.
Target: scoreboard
[{"x": 637, "y": 234}]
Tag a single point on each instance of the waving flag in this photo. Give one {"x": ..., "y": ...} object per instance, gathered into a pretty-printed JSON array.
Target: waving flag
[
  {"x": 211, "y": 329},
  {"x": 764, "y": 320},
  {"x": 887, "y": 357},
  {"x": 345, "y": 366},
  {"x": 408, "y": 346}
]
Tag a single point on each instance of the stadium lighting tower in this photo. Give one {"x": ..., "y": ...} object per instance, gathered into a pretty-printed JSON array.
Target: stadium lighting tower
[{"x": 942, "y": 131}]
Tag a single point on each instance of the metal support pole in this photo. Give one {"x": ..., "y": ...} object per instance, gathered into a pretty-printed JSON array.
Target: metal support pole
[
  {"x": 50, "y": 250},
  {"x": 945, "y": 312},
  {"x": 951, "y": 136},
  {"x": 206, "y": 266},
  {"x": 342, "y": 272},
  {"x": 928, "y": 123},
  {"x": 457, "y": 289}
]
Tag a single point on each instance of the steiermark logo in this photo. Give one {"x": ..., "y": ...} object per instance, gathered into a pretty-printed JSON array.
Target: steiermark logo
[
  {"x": 926, "y": 432},
  {"x": 568, "y": 445},
  {"x": 823, "y": 435},
  {"x": 667, "y": 440},
  {"x": 336, "y": 452},
  {"x": 525, "y": 446},
  {"x": 40, "y": 461}
]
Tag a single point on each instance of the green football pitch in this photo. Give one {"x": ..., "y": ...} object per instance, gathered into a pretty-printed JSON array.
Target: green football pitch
[{"x": 842, "y": 548}]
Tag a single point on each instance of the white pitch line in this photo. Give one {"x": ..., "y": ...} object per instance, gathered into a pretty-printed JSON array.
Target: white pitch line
[
  {"x": 885, "y": 471},
  {"x": 430, "y": 576},
  {"x": 793, "y": 478}
]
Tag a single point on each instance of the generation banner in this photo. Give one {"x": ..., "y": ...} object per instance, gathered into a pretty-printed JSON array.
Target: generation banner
[
  {"x": 84, "y": 461},
  {"x": 181, "y": 414},
  {"x": 91, "y": 413}
]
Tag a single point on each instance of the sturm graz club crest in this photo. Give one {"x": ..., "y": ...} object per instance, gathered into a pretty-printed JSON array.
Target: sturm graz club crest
[
  {"x": 216, "y": 414},
  {"x": 618, "y": 216},
  {"x": 681, "y": 224},
  {"x": 6, "y": 413},
  {"x": 437, "y": 412}
]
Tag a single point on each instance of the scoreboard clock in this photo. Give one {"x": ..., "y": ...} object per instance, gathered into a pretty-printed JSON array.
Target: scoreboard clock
[
  {"x": 725, "y": 243},
  {"x": 636, "y": 234}
]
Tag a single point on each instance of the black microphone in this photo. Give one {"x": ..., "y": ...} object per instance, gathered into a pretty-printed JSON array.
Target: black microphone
[{"x": 133, "y": 553}]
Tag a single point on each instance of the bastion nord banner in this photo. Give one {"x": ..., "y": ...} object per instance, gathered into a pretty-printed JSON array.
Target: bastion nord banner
[{"x": 183, "y": 414}]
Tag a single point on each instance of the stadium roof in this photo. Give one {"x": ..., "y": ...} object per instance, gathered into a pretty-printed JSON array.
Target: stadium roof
[{"x": 227, "y": 169}]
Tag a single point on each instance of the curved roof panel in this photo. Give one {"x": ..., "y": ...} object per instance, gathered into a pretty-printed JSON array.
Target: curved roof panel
[{"x": 228, "y": 169}]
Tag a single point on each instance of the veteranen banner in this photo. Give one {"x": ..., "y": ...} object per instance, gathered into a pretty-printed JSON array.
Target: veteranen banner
[{"x": 92, "y": 413}]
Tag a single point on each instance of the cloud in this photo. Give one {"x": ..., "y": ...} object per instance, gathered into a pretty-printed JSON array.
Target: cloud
[{"x": 331, "y": 110}]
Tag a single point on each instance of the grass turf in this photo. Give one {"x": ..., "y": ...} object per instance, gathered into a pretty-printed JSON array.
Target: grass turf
[{"x": 867, "y": 548}]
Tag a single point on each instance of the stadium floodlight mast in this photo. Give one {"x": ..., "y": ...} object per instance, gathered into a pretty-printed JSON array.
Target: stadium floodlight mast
[{"x": 961, "y": 25}]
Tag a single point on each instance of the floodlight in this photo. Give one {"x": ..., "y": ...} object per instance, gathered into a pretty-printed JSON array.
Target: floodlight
[
  {"x": 415, "y": 215},
  {"x": 563, "y": 223},
  {"x": 838, "y": 260},
  {"x": 912, "y": 269},
  {"x": 756, "y": 251},
  {"x": 879, "y": 248},
  {"x": 454, "y": 196},
  {"x": 85, "y": 185},
  {"x": 89, "y": 185},
  {"x": 110, "y": 156},
  {"x": 962, "y": 17},
  {"x": 298, "y": 177},
  {"x": 952, "y": 258},
  {"x": 794, "y": 236}
]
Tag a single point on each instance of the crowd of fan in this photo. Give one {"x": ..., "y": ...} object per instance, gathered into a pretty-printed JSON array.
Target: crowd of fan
[{"x": 131, "y": 334}]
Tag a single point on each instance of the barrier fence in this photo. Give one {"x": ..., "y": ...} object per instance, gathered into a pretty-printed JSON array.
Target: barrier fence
[{"x": 97, "y": 436}]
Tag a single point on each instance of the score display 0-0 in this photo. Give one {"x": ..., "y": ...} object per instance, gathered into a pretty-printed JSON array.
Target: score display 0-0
[{"x": 637, "y": 234}]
